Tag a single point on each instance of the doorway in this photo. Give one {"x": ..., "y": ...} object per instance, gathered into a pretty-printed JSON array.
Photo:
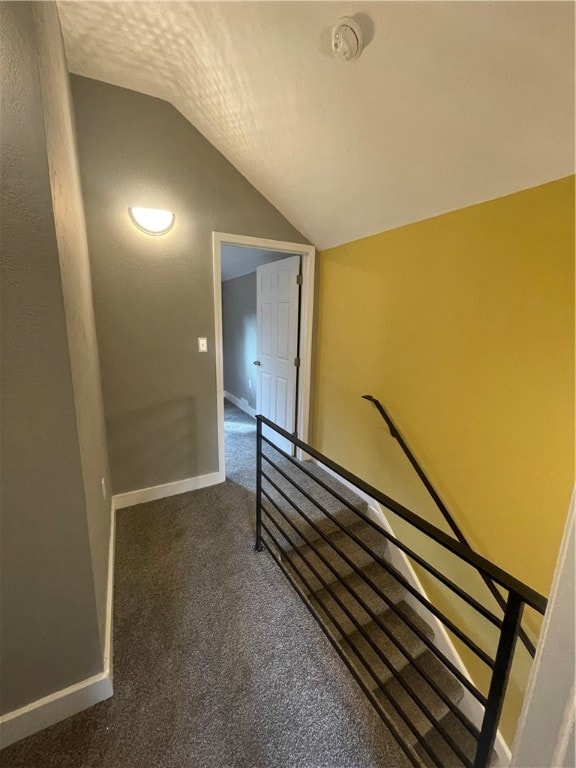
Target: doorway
[{"x": 248, "y": 253}]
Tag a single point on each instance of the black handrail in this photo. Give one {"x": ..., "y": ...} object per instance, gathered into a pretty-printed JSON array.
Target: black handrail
[
  {"x": 519, "y": 594},
  {"x": 397, "y": 435},
  {"x": 474, "y": 647},
  {"x": 375, "y": 618},
  {"x": 359, "y": 627},
  {"x": 397, "y": 577},
  {"x": 485, "y": 612},
  {"x": 464, "y": 552}
]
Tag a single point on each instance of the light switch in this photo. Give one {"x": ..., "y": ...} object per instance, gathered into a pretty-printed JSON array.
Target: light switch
[{"x": 202, "y": 344}]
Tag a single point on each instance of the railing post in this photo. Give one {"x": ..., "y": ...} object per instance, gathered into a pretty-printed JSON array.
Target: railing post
[
  {"x": 258, "y": 546},
  {"x": 500, "y": 674}
]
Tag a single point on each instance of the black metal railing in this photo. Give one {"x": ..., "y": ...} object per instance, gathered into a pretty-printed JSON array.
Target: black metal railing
[
  {"x": 456, "y": 530},
  {"x": 295, "y": 524}
]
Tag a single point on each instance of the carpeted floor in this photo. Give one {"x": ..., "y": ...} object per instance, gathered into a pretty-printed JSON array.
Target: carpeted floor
[{"x": 217, "y": 663}]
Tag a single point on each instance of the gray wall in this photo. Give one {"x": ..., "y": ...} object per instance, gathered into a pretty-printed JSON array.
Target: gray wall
[
  {"x": 77, "y": 290},
  {"x": 240, "y": 337},
  {"x": 50, "y": 635},
  {"x": 154, "y": 295}
]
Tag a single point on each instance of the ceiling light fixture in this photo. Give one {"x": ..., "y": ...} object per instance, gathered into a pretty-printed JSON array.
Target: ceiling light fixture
[
  {"x": 153, "y": 221},
  {"x": 347, "y": 40}
]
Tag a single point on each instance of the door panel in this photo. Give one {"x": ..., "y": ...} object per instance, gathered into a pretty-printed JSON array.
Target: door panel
[
  {"x": 265, "y": 407},
  {"x": 282, "y": 411},
  {"x": 283, "y": 334},
  {"x": 267, "y": 333}
]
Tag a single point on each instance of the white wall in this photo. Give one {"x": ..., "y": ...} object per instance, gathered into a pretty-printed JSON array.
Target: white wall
[{"x": 546, "y": 733}]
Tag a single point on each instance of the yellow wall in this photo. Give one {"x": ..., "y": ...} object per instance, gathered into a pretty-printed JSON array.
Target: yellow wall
[{"x": 463, "y": 326}]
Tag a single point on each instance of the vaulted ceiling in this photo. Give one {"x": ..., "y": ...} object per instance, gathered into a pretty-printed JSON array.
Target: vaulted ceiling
[{"x": 450, "y": 104}]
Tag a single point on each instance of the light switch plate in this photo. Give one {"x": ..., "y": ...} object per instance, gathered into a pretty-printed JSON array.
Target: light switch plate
[{"x": 202, "y": 344}]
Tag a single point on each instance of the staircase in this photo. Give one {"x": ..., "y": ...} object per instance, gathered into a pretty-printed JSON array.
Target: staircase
[
  {"x": 398, "y": 659},
  {"x": 344, "y": 565}
]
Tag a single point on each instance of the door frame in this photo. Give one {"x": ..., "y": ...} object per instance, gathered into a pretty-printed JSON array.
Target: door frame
[{"x": 308, "y": 255}]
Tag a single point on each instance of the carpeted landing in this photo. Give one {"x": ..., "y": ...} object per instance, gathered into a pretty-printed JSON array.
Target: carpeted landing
[{"x": 217, "y": 663}]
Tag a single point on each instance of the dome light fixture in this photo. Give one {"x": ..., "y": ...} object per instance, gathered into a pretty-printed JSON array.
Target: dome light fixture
[
  {"x": 347, "y": 40},
  {"x": 153, "y": 221}
]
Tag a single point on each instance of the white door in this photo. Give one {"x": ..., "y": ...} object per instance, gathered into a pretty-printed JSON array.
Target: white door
[{"x": 277, "y": 297}]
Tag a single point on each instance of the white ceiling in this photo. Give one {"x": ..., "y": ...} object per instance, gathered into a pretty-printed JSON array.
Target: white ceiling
[
  {"x": 239, "y": 260},
  {"x": 451, "y": 103}
]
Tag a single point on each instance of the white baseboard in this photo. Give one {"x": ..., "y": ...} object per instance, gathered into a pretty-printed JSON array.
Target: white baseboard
[
  {"x": 142, "y": 495},
  {"x": 241, "y": 403},
  {"x": 51, "y": 709},
  {"x": 469, "y": 705}
]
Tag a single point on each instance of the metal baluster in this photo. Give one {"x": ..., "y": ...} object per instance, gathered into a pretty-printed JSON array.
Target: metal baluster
[
  {"x": 500, "y": 674},
  {"x": 258, "y": 546}
]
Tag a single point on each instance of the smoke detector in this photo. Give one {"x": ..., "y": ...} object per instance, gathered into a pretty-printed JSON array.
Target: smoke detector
[{"x": 347, "y": 42}]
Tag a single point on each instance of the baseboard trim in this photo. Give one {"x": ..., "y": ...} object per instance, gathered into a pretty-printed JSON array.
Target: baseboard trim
[
  {"x": 240, "y": 403},
  {"x": 122, "y": 500},
  {"x": 52, "y": 709},
  {"x": 471, "y": 707}
]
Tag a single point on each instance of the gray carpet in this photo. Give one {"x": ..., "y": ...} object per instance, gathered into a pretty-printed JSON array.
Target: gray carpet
[{"x": 217, "y": 663}]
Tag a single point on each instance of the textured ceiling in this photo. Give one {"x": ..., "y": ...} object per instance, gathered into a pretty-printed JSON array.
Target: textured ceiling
[{"x": 450, "y": 104}]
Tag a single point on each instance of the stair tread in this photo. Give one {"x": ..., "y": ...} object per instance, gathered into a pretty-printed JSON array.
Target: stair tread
[
  {"x": 360, "y": 557},
  {"x": 423, "y": 692},
  {"x": 324, "y": 498},
  {"x": 406, "y": 638},
  {"x": 387, "y": 583},
  {"x": 446, "y": 756}
]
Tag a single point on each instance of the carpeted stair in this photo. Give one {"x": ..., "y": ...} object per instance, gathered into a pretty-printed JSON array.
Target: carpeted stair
[{"x": 403, "y": 649}]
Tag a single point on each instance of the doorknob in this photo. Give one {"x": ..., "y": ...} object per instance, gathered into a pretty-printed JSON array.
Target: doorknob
[{"x": 257, "y": 362}]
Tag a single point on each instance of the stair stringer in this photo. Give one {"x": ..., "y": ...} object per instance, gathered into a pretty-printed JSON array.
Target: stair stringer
[{"x": 469, "y": 705}]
